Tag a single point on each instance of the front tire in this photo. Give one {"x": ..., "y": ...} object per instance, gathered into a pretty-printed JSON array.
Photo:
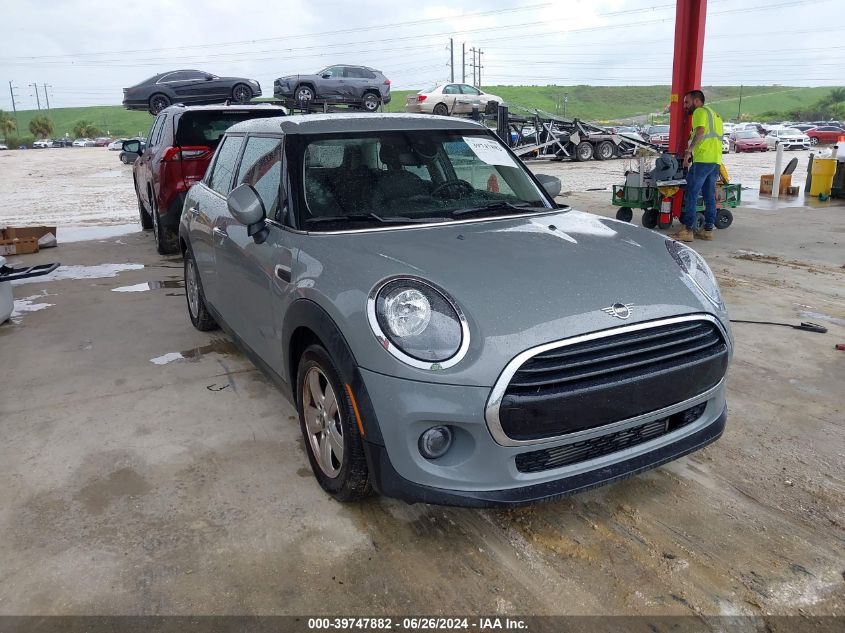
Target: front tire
[
  {"x": 724, "y": 218},
  {"x": 650, "y": 217},
  {"x": 329, "y": 426},
  {"x": 241, "y": 93},
  {"x": 814, "y": 140},
  {"x": 197, "y": 309},
  {"x": 304, "y": 95},
  {"x": 626, "y": 214}
]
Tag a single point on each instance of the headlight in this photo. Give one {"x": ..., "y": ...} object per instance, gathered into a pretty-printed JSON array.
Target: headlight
[
  {"x": 418, "y": 323},
  {"x": 697, "y": 270}
]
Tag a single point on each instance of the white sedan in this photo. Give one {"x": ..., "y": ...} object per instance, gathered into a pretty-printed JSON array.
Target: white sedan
[
  {"x": 789, "y": 138},
  {"x": 83, "y": 142},
  {"x": 446, "y": 99},
  {"x": 116, "y": 146}
]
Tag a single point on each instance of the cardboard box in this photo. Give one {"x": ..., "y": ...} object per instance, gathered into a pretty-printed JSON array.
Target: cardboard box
[
  {"x": 19, "y": 246},
  {"x": 45, "y": 235},
  {"x": 767, "y": 181}
]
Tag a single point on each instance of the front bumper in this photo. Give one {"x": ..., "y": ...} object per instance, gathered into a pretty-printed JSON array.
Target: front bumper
[{"x": 477, "y": 471}]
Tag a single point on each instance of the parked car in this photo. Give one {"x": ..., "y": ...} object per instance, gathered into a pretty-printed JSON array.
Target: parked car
[
  {"x": 726, "y": 144},
  {"x": 630, "y": 131},
  {"x": 128, "y": 158},
  {"x": 376, "y": 268},
  {"x": 657, "y": 135},
  {"x": 83, "y": 142},
  {"x": 188, "y": 87},
  {"x": 825, "y": 134},
  {"x": 102, "y": 141},
  {"x": 43, "y": 143},
  {"x": 803, "y": 127},
  {"x": 789, "y": 138},
  {"x": 3, "y": 146},
  {"x": 359, "y": 86},
  {"x": 748, "y": 141},
  {"x": 180, "y": 145},
  {"x": 450, "y": 98},
  {"x": 62, "y": 142},
  {"x": 116, "y": 145}
]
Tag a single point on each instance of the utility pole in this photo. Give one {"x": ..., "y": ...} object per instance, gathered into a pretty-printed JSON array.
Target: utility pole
[
  {"x": 37, "y": 100},
  {"x": 739, "y": 108},
  {"x": 472, "y": 50},
  {"x": 463, "y": 62},
  {"x": 480, "y": 66},
  {"x": 14, "y": 108},
  {"x": 47, "y": 98},
  {"x": 452, "y": 59}
]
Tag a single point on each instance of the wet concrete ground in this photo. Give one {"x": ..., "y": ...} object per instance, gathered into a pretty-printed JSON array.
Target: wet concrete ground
[{"x": 150, "y": 468}]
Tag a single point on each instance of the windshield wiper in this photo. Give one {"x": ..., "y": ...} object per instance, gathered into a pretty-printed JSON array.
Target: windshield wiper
[
  {"x": 495, "y": 206},
  {"x": 366, "y": 217}
]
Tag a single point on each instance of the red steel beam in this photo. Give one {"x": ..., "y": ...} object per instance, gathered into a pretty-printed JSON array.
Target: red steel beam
[{"x": 686, "y": 69}]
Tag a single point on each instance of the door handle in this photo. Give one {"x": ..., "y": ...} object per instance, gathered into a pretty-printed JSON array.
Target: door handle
[
  {"x": 283, "y": 273},
  {"x": 219, "y": 233},
  {"x": 193, "y": 211}
]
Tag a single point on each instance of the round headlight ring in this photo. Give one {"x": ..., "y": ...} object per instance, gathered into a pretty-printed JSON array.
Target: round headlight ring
[{"x": 397, "y": 352}]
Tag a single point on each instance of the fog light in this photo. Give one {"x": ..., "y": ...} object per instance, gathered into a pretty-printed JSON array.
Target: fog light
[{"x": 435, "y": 442}]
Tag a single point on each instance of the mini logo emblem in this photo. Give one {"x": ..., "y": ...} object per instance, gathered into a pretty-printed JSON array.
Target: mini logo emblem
[{"x": 619, "y": 310}]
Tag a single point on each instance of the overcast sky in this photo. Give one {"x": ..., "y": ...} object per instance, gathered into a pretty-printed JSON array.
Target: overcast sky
[{"x": 88, "y": 50}]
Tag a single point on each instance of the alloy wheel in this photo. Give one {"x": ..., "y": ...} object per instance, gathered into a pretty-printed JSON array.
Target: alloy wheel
[
  {"x": 323, "y": 422},
  {"x": 191, "y": 287},
  {"x": 304, "y": 94},
  {"x": 242, "y": 94}
]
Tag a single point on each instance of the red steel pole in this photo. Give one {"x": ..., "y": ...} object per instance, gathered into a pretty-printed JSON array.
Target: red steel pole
[{"x": 686, "y": 70}]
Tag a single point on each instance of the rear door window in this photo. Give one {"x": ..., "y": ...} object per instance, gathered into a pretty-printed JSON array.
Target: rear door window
[
  {"x": 224, "y": 165},
  {"x": 261, "y": 167}
]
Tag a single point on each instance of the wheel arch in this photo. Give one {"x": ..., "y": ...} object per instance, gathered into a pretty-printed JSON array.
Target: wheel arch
[{"x": 305, "y": 324}]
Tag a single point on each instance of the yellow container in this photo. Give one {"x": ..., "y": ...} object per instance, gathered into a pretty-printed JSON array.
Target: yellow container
[{"x": 823, "y": 171}]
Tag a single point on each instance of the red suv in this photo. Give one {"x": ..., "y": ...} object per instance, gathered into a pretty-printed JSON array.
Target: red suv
[
  {"x": 825, "y": 134},
  {"x": 179, "y": 148}
]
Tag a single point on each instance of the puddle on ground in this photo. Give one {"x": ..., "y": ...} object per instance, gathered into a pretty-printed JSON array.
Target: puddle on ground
[
  {"x": 98, "y": 232},
  {"x": 100, "y": 271},
  {"x": 752, "y": 199},
  {"x": 151, "y": 285},
  {"x": 821, "y": 316},
  {"x": 216, "y": 346}
]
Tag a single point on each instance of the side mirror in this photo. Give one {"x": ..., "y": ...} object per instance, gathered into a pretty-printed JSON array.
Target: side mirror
[
  {"x": 551, "y": 184},
  {"x": 246, "y": 207},
  {"x": 209, "y": 77},
  {"x": 133, "y": 146},
  {"x": 326, "y": 75}
]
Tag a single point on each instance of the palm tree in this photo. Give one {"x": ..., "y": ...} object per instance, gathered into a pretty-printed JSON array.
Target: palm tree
[
  {"x": 85, "y": 129},
  {"x": 41, "y": 126},
  {"x": 7, "y": 124},
  {"x": 837, "y": 95}
]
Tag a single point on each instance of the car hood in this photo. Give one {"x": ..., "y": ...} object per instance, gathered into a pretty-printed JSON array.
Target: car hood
[
  {"x": 298, "y": 77},
  {"x": 520, "y": 282}
]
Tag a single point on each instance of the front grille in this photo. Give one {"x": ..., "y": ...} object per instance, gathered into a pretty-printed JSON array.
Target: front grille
[
  {"x": 548, "y": 458},
  {"x": 613, "y": 378}
]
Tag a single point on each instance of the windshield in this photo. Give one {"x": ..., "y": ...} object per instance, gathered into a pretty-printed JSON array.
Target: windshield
[
  {"x": 748, "y": 134},
  {"x": 658, "y": 129},
  {"x": 420, "y": 176}
]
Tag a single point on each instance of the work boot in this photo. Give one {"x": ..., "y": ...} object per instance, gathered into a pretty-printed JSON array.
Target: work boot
[
  {"x": 704, "y": 234},
  {"x": 683, "y": 234}
]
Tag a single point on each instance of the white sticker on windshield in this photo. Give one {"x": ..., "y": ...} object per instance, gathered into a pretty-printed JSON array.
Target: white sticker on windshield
[{"x": 489, "y": 150}]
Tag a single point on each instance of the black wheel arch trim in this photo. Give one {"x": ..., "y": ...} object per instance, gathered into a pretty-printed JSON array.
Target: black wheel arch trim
[{"x": 307, "y": 313}]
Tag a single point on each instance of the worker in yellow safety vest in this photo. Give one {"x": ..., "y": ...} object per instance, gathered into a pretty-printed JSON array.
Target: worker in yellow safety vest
[{"x": 704, "y": 151}]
